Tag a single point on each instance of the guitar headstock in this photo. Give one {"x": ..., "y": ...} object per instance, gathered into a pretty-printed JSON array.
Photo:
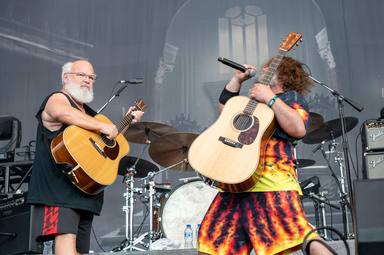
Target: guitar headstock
[
  {"x": 290, "y": 41},
  {"x": 140, "y": 105}
]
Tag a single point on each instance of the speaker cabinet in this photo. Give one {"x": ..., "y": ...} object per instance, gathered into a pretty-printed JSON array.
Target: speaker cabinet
[
  {"x": 16, "y": 229},
  {"x": 372, "y": 136},
  {"x": 373, "y": 165},
  {"x": 369, "y": 216}
]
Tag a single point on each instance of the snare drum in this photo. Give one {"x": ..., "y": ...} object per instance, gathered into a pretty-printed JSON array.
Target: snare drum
[{"x": 187, "y": 204}]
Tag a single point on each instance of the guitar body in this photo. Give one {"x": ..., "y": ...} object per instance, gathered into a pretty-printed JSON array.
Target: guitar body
[
  {"x": 229, "y": 151},
  {"x": 93, "y": 162}
]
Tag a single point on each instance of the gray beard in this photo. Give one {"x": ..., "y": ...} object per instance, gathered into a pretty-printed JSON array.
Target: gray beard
[{"x": 81, "y": 95}]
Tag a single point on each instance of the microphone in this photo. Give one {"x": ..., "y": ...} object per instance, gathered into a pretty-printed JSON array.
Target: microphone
[
  {"x": 236, "y": 66},
  {"x": 125, "y": 82},
  {"x": 132, "y": 81}
]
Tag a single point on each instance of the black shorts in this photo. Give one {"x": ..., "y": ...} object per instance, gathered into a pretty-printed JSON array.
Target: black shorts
[{"x": 51, "y": 221}]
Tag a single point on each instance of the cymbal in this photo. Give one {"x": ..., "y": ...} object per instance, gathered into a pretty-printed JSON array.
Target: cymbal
[
  {"x": 142, "y": 132},
  {"x": 143, "y": 167},
  {"x": 330, "y": 129},
  {"x": 301, "y": 162},
  {"x": 316, "y": 120},
  {"x": 171, "y": 149}
]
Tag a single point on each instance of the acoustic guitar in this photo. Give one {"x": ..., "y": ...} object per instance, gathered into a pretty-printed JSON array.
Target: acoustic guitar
[
  {"x": 228, "y": 152},
  {"x": 89, "y": 158}
]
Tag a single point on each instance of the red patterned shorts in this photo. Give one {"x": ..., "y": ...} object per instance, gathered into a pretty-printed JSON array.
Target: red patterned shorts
[
  {"x": 268, "y": 222},
  {"x": 51, "y": 221}
]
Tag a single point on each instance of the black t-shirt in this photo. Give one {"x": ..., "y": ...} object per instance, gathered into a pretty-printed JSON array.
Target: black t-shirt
[{"x": 48, "y": 184}]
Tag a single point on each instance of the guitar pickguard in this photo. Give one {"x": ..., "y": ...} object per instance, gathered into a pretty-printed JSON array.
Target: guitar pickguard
[
  {"x": 107, "y": 151},
  {"x": 248, "y": 137}
]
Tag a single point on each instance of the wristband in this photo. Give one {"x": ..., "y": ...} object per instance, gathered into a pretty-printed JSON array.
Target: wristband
[
  {"x": 272, "y": 101},
  {"x": 226, "y": 95}
]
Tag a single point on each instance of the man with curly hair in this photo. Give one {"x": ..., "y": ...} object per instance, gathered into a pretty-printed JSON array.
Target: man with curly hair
[{"x": 268, "y": 217}]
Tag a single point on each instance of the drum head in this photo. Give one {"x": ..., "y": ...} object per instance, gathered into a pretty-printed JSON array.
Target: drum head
[{"x": 187, "y": 204}]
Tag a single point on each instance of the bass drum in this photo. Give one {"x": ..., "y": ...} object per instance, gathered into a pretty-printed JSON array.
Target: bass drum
[{"x": 187, "y": 204}]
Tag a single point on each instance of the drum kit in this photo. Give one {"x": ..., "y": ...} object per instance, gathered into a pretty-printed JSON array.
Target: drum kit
[
  {"x": 320, "y": 133},
  {"x": 168, "y": 211},
  {"x": 171, "y": 209}
]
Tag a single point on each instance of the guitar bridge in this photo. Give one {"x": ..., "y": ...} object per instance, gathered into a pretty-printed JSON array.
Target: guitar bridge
[{"x": 230, "y": 142}]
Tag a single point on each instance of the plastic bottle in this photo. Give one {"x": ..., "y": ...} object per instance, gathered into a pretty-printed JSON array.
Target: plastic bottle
[
  {"x": 188, "y": 237},
  {"x": 48, "y": 247}
]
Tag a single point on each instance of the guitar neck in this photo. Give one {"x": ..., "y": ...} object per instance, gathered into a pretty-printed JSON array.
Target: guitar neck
[
  {"x": 272, "y": 68},
  {"x": 266, "y": 79},
  {"x": 125, "y": 123}
]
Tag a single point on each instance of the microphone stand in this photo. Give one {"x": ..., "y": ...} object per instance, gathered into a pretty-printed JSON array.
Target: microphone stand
[
  {"x": 113, "y": 97},
  {"x": 340, "y": 99}
]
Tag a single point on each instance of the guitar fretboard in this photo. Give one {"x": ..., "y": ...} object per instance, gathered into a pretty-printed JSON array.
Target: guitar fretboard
[{"x": 266, "y": 79}]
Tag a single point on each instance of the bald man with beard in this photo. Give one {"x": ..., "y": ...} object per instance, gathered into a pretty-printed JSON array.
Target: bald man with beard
[{"x": 62, "y": 212}]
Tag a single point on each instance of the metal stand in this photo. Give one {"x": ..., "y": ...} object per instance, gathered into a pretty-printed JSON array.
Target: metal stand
[
  {"x": 320, "y": 202},
  {"x": 128, "y": 209},
  {"x": 343, "y": 194},
  {"x": 130, "y": 243},
  {"x": 340, "y": 100},
  {"x": 150, "y": 176},
  {"x": 113, "y": 97}
]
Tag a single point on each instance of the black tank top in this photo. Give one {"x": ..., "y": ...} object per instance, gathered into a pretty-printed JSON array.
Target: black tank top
[{"x": 48, "y": 185}]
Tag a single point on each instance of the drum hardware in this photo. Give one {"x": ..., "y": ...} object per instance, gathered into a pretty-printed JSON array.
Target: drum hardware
[
  {"x": 300, "y": 163},
  {"x": 172, "y": 148},
  {"x": 128, "y": 210},
  {"x": 310, "y": 185},
  {"x": 314, "y": 167},
  {"x": 311, "y": 190},
  {"x": 328, "y": 131},
  {"x": 339, "y": 159},
  {"x": 132, "y": 169},
  {"x": 189, "y": 179},
  {"x": 320, "y": 200},
  {"x": 343, "y": 195},
  {"x": 151, "y": 235}
]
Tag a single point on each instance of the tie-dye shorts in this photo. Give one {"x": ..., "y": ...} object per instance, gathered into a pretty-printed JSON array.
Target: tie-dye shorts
[{"x": 268, "y": 222}]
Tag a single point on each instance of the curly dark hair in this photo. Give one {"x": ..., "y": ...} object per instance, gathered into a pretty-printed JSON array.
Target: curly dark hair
[{"x": 292, "y": 75}]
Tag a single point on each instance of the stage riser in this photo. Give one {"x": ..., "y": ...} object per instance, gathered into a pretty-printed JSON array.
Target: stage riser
[{"x": 338, "y": 246}]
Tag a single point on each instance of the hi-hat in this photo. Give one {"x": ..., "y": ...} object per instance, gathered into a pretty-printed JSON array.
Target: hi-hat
[
  {"x": 171, "y": 149},
  {"x": 329, "y": 130},
  {"x": 315, "y": 121},
  {"x": 304, "y": 162},
  {"x": 142, "y": 168},
  {"x": 144, "y": 132}
]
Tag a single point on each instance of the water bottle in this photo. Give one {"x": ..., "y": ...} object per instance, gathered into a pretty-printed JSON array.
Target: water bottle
[
  {"x": 48, "y": 247},
  {"x": 188, "y": 237},
  {"x": 196, "y": 239}
]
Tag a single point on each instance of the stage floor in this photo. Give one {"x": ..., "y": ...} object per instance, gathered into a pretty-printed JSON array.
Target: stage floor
[{"x": 338, "y": 246}]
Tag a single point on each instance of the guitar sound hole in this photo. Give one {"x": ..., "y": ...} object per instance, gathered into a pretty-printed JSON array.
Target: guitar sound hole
[
  {"x": 107, "y": 141},
  {"x": 242, "y": 122}
]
